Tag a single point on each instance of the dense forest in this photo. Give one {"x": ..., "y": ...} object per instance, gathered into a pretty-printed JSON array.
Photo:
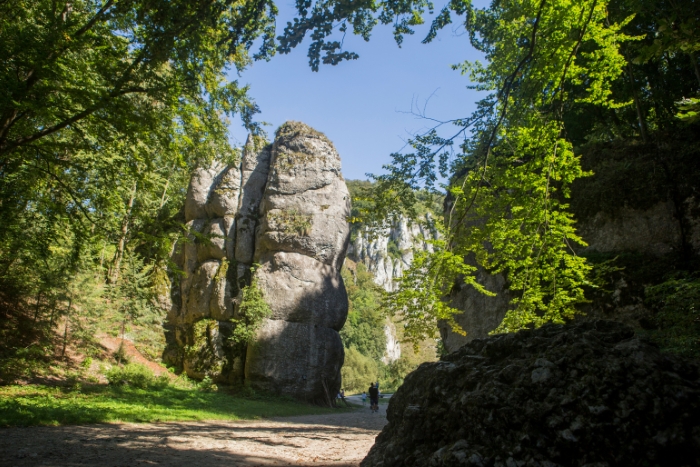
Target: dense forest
[{"x": 107, "y": 107}]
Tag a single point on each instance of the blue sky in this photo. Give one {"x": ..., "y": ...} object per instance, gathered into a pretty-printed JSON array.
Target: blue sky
[{"x": 364, "y": 105}]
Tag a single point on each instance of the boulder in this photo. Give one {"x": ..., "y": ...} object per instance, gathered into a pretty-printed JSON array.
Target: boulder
[{"x": 590, "y": 393}]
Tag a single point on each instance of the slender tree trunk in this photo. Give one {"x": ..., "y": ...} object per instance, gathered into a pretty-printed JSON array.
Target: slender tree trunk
[
  {"x": 638, "y": 105},
  {"x": 165, "y": 191},
  {"x": 119, "y": 254},
  {"x": 120, "y": 350},
  {"x": 694, "y": 62},
  {"x": 38, "y": 302},
  {"x": 65, "y": 330},
  {"x": 53, "y": 313}
]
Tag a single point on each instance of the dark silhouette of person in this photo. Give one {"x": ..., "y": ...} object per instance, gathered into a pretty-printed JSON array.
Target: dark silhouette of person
[{"x": 373, "y": 397}]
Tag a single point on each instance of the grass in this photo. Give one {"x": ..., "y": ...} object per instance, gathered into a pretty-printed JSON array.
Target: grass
[{"x": 41, "y": 405}]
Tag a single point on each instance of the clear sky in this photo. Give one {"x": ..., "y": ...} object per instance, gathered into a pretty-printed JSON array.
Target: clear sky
[{"x": 364, "y": 105}]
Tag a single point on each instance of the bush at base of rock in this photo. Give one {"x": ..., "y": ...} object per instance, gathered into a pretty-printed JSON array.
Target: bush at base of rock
[{"x": 584, "y": 394}]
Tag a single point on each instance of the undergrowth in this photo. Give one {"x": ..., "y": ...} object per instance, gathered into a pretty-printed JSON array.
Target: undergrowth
[{"x": 79, "y": 404}]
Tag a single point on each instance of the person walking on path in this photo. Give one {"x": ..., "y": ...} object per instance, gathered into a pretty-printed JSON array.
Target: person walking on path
[
  {"x": 364, "y": 398},
  {"x": 373, "y": 398}
]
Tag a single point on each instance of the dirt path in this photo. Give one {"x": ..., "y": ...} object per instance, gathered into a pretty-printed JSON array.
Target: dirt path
[
  {"x": 112, "y": 345},
  {"x": 341, "y": 439}
]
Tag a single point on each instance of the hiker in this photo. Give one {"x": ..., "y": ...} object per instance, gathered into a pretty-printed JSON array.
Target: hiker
[
  {"x": 373, "y": 397},
  {"x": 364, "y": 398}
]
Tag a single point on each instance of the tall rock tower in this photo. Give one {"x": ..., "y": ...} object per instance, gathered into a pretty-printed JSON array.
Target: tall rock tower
[{"x": 283, "y": 208}]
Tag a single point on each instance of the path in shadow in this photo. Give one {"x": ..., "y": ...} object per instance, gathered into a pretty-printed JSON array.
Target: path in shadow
[{"x": 340, "y": 440}]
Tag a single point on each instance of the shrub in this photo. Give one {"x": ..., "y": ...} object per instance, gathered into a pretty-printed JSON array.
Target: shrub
[
  {"x": 135, "y": 375},
  {"x": 120, "y": 355},
  {"x": 207, "y": 385},
  {"x": 677, "y": 318},
  {"x": 253, "y": 310}
]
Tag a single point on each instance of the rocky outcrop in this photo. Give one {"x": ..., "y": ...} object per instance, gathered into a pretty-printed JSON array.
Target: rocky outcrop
[
  {"x": 584, "y": 394},
  {"x": 284, "y": 208},
  {"x": 393, "y": 345},
  {"x": 301, "y": 247},
  {"x": 640, "y": 205}
]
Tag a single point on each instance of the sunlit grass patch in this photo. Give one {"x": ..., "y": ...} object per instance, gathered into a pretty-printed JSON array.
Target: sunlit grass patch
[{"x": 42, "y": 405}]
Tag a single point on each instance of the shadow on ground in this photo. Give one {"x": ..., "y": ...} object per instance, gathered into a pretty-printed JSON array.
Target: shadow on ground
[{"x": 312, "y": 440}]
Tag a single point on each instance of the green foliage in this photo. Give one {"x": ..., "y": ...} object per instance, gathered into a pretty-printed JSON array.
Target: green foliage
[
  {"x": 251, "y": 313},
  {"x": 134, "y": 293},
  {"x": 677, "y": 318},
  {"x": 106, "y": 109},
  {"x": 204, "y": 353},
  {"x": 396, "y": 371},
  {"x": 207, "y": 384},
  {"x": 393, "y": 249},
  {"x": 291, "y": 222},
  {"x": 40, "y": 405},
  {"x": 135, "y": 375},
  {"x": 418, "y": 301},
  {"x": 371, "y": 203},
  {"x": 364, "y": 327},
  {"x": 508, "y": 201},
  {"x": 689, "y": 110},
  {"x": 358, "y": 371},
  {"x": 560, "y": 74},
  {"x": 365, "y": 340}
]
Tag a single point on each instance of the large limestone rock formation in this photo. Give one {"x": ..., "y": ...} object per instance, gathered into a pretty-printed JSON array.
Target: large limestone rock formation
[
  {"x": 284, "y": 208},
  {"x": 585, "y": 394}
]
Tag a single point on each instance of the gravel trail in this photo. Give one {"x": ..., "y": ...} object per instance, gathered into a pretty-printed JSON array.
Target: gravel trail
[{"x": 341, "y": 439}]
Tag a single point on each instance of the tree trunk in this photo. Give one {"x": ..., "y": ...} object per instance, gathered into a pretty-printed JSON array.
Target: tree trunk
[
  {"x": 694, "y": 62},
  {"x": 119, "y": 254},
  {"x": 38, "y": 301},
  {"x": 53, "y": 313},
  {"x": 165, "y": 191},
  {"x": 120, "y": 350},
  {"x": 65, "y": 331},
  {"x": 638, "y": 105}
]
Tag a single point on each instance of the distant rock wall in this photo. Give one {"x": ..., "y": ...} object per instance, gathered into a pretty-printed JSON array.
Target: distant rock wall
[
  {"x": 387, "y": 255},
  {"x": 284, "y": 208}
]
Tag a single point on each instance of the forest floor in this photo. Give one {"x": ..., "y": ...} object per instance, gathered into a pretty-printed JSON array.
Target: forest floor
[{"x": 335, "y": 439}]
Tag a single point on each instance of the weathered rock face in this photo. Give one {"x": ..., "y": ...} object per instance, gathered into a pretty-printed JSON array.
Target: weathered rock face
[
  {"x": 588, "y": 393},
  {"x": 284, "y": 207},
  {"x": 301, "y": 246},
  {"x": 641, "y": 203},
  {"x": 388, "y": 254}
]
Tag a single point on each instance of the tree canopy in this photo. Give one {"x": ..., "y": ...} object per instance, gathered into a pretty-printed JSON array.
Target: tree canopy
[
  {"x": 107, "y": 105},
  {"x": 558, "y": 74}
]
